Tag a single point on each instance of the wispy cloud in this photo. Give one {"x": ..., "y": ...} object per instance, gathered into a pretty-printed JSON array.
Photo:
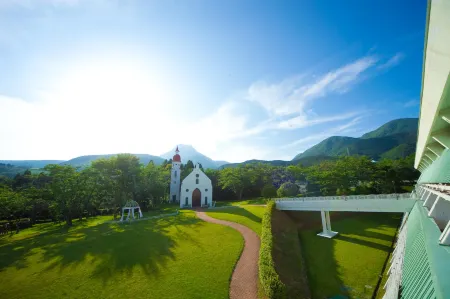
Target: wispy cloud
[
  {"x": 393, "y": 61},
  {"x": 303, "y": 121},
  {"x": 411, "y": 103},
  {"x": 291, "y": 95},
  {"x": 311, "y": 140},
  {"x": 286, "y": 103}
]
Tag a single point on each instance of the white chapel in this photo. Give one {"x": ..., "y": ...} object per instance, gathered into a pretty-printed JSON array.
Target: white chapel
[{"x": 194, "y": 191}]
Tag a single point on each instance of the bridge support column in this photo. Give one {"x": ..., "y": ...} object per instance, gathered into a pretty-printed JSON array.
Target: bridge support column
[{"x": 326, "y": 225}]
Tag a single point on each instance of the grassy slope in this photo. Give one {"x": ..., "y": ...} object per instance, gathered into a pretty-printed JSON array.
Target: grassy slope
[
  {"x": 249, "y": 216},
  {"x": 348, "y": 263},
  {"x": 148, "y": 259}
]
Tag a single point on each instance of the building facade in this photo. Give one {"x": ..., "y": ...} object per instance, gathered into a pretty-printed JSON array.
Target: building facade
[
  {"x": 420, "y": 267},
  {"x": 196, "y": 190}
]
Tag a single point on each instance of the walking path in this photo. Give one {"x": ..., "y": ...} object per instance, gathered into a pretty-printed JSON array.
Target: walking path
[{"x": 244, "y": 281}]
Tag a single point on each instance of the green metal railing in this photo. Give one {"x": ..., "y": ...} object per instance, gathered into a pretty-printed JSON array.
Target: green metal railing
[{"x": 426, "y": 266}]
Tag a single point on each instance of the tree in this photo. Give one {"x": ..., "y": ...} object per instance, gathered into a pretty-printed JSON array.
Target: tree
[
  {"x": 154, "y": 182},
  {"x": 119, "y": 178},
  {"x": 287, "y": 189},
  {"x": 269, "y": 191},
  {"x": 67, "y": 189},
  {"x": 189, "y": 164},
  {"x": 12, "y": 204},
  {"x": 235, "y": 179},
  {"x": 344, "y": 174}
]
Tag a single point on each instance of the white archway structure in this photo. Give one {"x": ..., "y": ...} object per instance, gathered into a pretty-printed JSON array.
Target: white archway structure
[{"x": 131, "y": 205}]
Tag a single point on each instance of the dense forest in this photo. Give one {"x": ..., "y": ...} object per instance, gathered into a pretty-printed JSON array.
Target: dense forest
[{"x": 64, "y": 193}]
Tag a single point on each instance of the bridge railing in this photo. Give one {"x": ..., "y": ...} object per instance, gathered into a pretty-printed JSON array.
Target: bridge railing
[{"x": 350, "y": 197}]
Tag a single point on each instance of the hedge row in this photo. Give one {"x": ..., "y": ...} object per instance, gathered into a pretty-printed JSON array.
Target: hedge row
[{"x": 269, "y": 279}]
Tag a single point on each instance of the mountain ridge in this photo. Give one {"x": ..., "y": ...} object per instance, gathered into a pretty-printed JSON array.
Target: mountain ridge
[{"x": 379, "y": 143}]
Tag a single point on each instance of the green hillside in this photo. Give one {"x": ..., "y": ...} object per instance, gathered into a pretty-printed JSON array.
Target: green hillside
[
  {"x": 396, "y": 126},
  {"x": 395, "y": 139}
]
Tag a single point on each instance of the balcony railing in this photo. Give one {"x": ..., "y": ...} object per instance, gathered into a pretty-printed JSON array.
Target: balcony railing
[{"x": 351, "y": 197}]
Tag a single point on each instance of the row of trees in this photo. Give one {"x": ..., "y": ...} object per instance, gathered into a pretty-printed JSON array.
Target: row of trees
[{"x": 64, "y": 192}]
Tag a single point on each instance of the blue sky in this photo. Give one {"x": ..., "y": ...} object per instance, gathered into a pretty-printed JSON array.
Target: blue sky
[{"x": 238, "y": 80}]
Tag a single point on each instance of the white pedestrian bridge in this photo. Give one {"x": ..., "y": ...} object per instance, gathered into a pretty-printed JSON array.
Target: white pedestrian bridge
[{"x": 392, "y": 203}]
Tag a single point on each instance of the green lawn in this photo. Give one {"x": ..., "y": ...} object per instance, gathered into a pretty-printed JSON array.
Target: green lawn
[
  {"x": 349, "y": 264},
  {"x": 162, "y": 209},
  {"x": 249, "y": 216},
  {"x": 251, "y": 201},
  {"x": 157, "y": 258}
]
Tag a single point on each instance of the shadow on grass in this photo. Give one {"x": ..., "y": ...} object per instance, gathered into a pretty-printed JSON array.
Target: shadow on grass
[
  {"x": 111, "y": 248},
  {"x": 364, "y": 243},
  {"x": 321, "y": 266},
  {"x": 239, "y": 211},
  {"x": 323, "y": 269}
]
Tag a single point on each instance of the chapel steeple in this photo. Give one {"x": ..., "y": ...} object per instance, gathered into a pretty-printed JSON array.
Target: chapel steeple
[{"x": 175, "y": 177}]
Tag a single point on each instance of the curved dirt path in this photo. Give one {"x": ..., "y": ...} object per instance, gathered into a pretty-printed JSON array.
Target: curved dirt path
[{"x": 244, "y": 281}]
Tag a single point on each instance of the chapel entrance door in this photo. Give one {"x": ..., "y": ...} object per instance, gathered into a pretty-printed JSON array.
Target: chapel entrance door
[{"x": 196, "y": 198}]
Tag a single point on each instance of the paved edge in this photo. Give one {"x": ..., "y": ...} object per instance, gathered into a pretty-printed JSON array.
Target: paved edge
[{"x": 244, "y": 280}]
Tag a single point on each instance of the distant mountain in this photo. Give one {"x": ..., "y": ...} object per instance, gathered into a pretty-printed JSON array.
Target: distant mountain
[
  {"x": 393, "y": 140},
  {"x": 187, "y": 152},
  {"x": 83, "y": 161},
  {"x": 30, "y": 163}
]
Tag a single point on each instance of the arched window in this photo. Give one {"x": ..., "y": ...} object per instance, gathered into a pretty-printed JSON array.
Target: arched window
[
  {"x": 175, "y": 173},
  {"x": 206, "y": 200},
  {"x": 196, "y": 181},
  {"x": 197, "y": 175},
  {"x": 186, "y": 201}
]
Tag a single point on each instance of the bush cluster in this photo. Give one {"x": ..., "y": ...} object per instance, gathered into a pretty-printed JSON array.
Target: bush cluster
[
  {"x": 287, "y": 189},
  {"x": 269, "y": 191},
  {"x": 269, "y": 279}
]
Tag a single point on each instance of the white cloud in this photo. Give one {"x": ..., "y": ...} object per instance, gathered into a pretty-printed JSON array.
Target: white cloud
[
  {"x": 393, "y": 61},
  {"x": 284, "y": 101},
  {"x": 103, "y": 108},
  {"x": 291, "y": 95},
  {"x": 303, "y": 120}
]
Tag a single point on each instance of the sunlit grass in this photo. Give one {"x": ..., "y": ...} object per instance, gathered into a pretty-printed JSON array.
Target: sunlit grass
[
  {"x": 172, "y": 257},
  {"x": 249, "y": 216},
  {"x": 349, "y": 264}
]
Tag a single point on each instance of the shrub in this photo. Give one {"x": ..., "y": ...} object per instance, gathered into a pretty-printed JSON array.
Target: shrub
[
  {"x": 269, "y": 191},
  {"x": 287, "y": 189},
  {"x": 269, "y": 279}
]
